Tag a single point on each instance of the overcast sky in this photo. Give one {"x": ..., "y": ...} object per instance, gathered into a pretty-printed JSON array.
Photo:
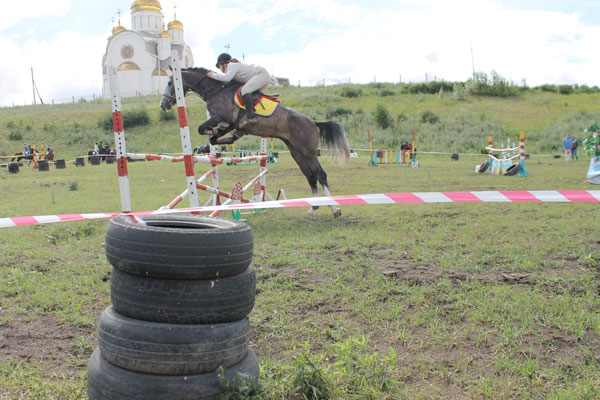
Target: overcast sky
[{"x": 313, "y": 41}]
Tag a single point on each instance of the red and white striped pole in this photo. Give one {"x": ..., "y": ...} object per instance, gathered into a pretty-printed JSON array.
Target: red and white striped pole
[
  {"x": 184, "y": 130},
  {"x": 120, "y": 147}
]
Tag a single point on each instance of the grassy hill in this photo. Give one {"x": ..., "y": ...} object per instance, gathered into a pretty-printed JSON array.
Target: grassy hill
[{"x": 462, "y": 125}]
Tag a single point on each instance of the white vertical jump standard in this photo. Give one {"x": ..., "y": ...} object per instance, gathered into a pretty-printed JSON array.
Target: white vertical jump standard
[
  {"x": 186, "y": 143},
  {"x": 120, "y": 147},
  {"x": 120, "y": 144}
]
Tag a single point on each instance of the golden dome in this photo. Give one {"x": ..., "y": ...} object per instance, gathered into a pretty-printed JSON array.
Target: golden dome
[
  {"x": 164, "y": 34},
  {"x": 175, "y": 25},
  {"x": 146, "y": 5},
  {"x": 118, "y": 29}
]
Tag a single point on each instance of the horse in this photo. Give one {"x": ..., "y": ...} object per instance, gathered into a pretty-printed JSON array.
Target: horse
[
  {"x": 20, "y": 156},
  {"x": 50, "y": 155},
  {"x": 299, "y": 133}
]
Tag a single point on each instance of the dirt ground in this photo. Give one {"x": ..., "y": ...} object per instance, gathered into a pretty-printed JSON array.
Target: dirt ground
[{"x": 41, "y": 338}]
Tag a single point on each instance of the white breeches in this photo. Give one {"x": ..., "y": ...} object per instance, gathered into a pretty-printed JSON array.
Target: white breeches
[{"x": 257, "y": 82}]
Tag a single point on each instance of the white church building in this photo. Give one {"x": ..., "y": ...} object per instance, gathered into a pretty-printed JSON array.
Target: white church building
[{"x": 136, "y": 53}]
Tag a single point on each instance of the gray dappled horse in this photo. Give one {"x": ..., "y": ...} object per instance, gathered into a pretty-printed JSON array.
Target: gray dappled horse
[{"x": 297, "y": 131}]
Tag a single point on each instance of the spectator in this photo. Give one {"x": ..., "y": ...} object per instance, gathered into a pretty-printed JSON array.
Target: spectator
[
  {"x": 568, "y": 145},
  {"x": 574, "y": 149}
]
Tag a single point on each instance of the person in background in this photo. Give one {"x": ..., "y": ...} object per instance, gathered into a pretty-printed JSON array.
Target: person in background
[
  {"x": 254, "y": 77},
  {"x": 568, "y": 146},
  {"x": 574, "y": 149}
]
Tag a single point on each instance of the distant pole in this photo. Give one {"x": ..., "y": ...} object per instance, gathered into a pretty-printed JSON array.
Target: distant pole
[
  {"x": 472, "y": 60},
  {"x": 33, "y": 85}
]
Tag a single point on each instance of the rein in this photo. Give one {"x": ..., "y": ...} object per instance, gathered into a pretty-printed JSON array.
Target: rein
[{"x": 193, "y": 88}]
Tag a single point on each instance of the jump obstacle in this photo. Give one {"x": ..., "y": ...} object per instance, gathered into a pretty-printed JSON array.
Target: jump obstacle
[
  {"x": 504, "y": 165},
  {"x": 236, "y": 196},
  {"x": 238, "y": 153},
  {"x": 381, "y": 156}
]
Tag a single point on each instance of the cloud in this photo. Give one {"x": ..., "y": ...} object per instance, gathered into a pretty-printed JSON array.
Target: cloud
[
  {"x": 65, "y": 66},
  {"x": 435, "y": 38},
  {"x": 331, "y": 40},
  {"x": 15, "y": 11}
]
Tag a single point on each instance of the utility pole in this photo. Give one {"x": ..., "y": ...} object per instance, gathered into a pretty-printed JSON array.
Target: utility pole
[
  {"x": 33, "y": 85},
  {"x": 472, "y": 60}
]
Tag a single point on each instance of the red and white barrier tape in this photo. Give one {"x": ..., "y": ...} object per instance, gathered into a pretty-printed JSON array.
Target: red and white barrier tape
[{"x": 551, "y": 196}]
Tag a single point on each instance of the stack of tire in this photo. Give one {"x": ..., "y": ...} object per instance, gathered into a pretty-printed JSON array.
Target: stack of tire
[
  {"x": 181, "y": 289},
  {"x": 43, "y": 165}
]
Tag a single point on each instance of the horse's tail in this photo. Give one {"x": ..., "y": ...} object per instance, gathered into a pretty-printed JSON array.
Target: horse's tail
[{"x": 333, "y": 137}]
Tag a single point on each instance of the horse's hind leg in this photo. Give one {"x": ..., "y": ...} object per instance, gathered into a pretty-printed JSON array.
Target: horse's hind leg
[
  {"x": 311, "y": 168},
  {"x": 323, "y": 181}
]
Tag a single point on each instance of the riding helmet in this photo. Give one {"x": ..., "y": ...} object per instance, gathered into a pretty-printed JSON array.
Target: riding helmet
[{"x": 223, "y": 58}]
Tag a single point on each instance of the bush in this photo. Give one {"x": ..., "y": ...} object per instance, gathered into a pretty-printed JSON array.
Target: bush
[
  {"x": 497, "y": 86},
  {"x": 428, "y": 88},
  {"x": 15, "y": 136},
  {"x": 429, "y": 117},
  {"x": 386, "y": 92},
  {"x": 130, "y": 119},
  {"x": 565, "y": 89},
  {"x": 382, "y": 116},
  {"x": 167, "y": 116},
  {"x": 547, "y": 88},
  {"x": 337, "y": 112},
  {"x": 401, "y": 117},
  {"x": 458, "y": 91},
  {"x": 347, "y": 91}
]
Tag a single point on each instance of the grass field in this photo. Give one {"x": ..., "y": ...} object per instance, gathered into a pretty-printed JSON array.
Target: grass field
[{"x": 421, "y": 301}]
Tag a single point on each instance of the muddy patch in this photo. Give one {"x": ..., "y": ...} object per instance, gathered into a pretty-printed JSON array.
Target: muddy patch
[{"x": 42, "y": 339}]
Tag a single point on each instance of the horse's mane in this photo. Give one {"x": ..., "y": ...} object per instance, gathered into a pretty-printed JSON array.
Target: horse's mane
[{"x": 196, "y": 69}]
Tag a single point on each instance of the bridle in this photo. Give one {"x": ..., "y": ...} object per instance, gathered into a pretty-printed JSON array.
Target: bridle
[{"x": 193, "y": 86}]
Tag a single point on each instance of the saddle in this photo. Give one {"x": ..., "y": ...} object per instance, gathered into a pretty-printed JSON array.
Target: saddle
[{"x": 264, "y": 105}]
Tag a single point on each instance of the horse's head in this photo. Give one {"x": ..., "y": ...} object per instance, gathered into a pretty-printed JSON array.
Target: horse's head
[
  {"x": 192, "y": 82},
  {"x": 168, "y": 97}
]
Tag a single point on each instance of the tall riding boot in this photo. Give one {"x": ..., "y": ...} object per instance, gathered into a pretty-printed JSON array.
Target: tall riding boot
[{"x": 250, "y": 115}]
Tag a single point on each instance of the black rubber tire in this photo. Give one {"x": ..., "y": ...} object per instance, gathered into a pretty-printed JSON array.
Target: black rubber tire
[
  {"x": 512, "y": 170},
  {"x": 108, "y": 382},
  {"x": 483, "y": 166},
  {"x": 179, "y": 246},
  {"x": 13, "y": 167},
  {"x": 43, "y": 165},
  {"x": 168, "y": 349},
  {"x": 174, "y": 301}
]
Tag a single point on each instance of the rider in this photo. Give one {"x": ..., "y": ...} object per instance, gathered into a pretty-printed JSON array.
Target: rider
[{"x": 254, "y": 77}]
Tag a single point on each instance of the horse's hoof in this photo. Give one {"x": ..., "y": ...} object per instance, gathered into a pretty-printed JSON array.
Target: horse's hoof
[
  {"x": 311, "y": 211},
  {"x": 337, "y": 213}
]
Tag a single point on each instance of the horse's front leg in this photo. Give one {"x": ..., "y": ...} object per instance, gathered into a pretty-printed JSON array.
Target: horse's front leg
[
  {"x": 206, "y": 128},
  {"x": 228, "y": 140},
  {"x": 221, "y": 129}
]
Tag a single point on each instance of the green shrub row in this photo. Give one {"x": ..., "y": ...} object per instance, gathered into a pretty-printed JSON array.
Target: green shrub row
[{"x": 131, "y": 118}]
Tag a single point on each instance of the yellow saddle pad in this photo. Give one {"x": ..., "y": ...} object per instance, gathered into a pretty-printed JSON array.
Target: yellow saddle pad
[{"x": 264, "y": 106}]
